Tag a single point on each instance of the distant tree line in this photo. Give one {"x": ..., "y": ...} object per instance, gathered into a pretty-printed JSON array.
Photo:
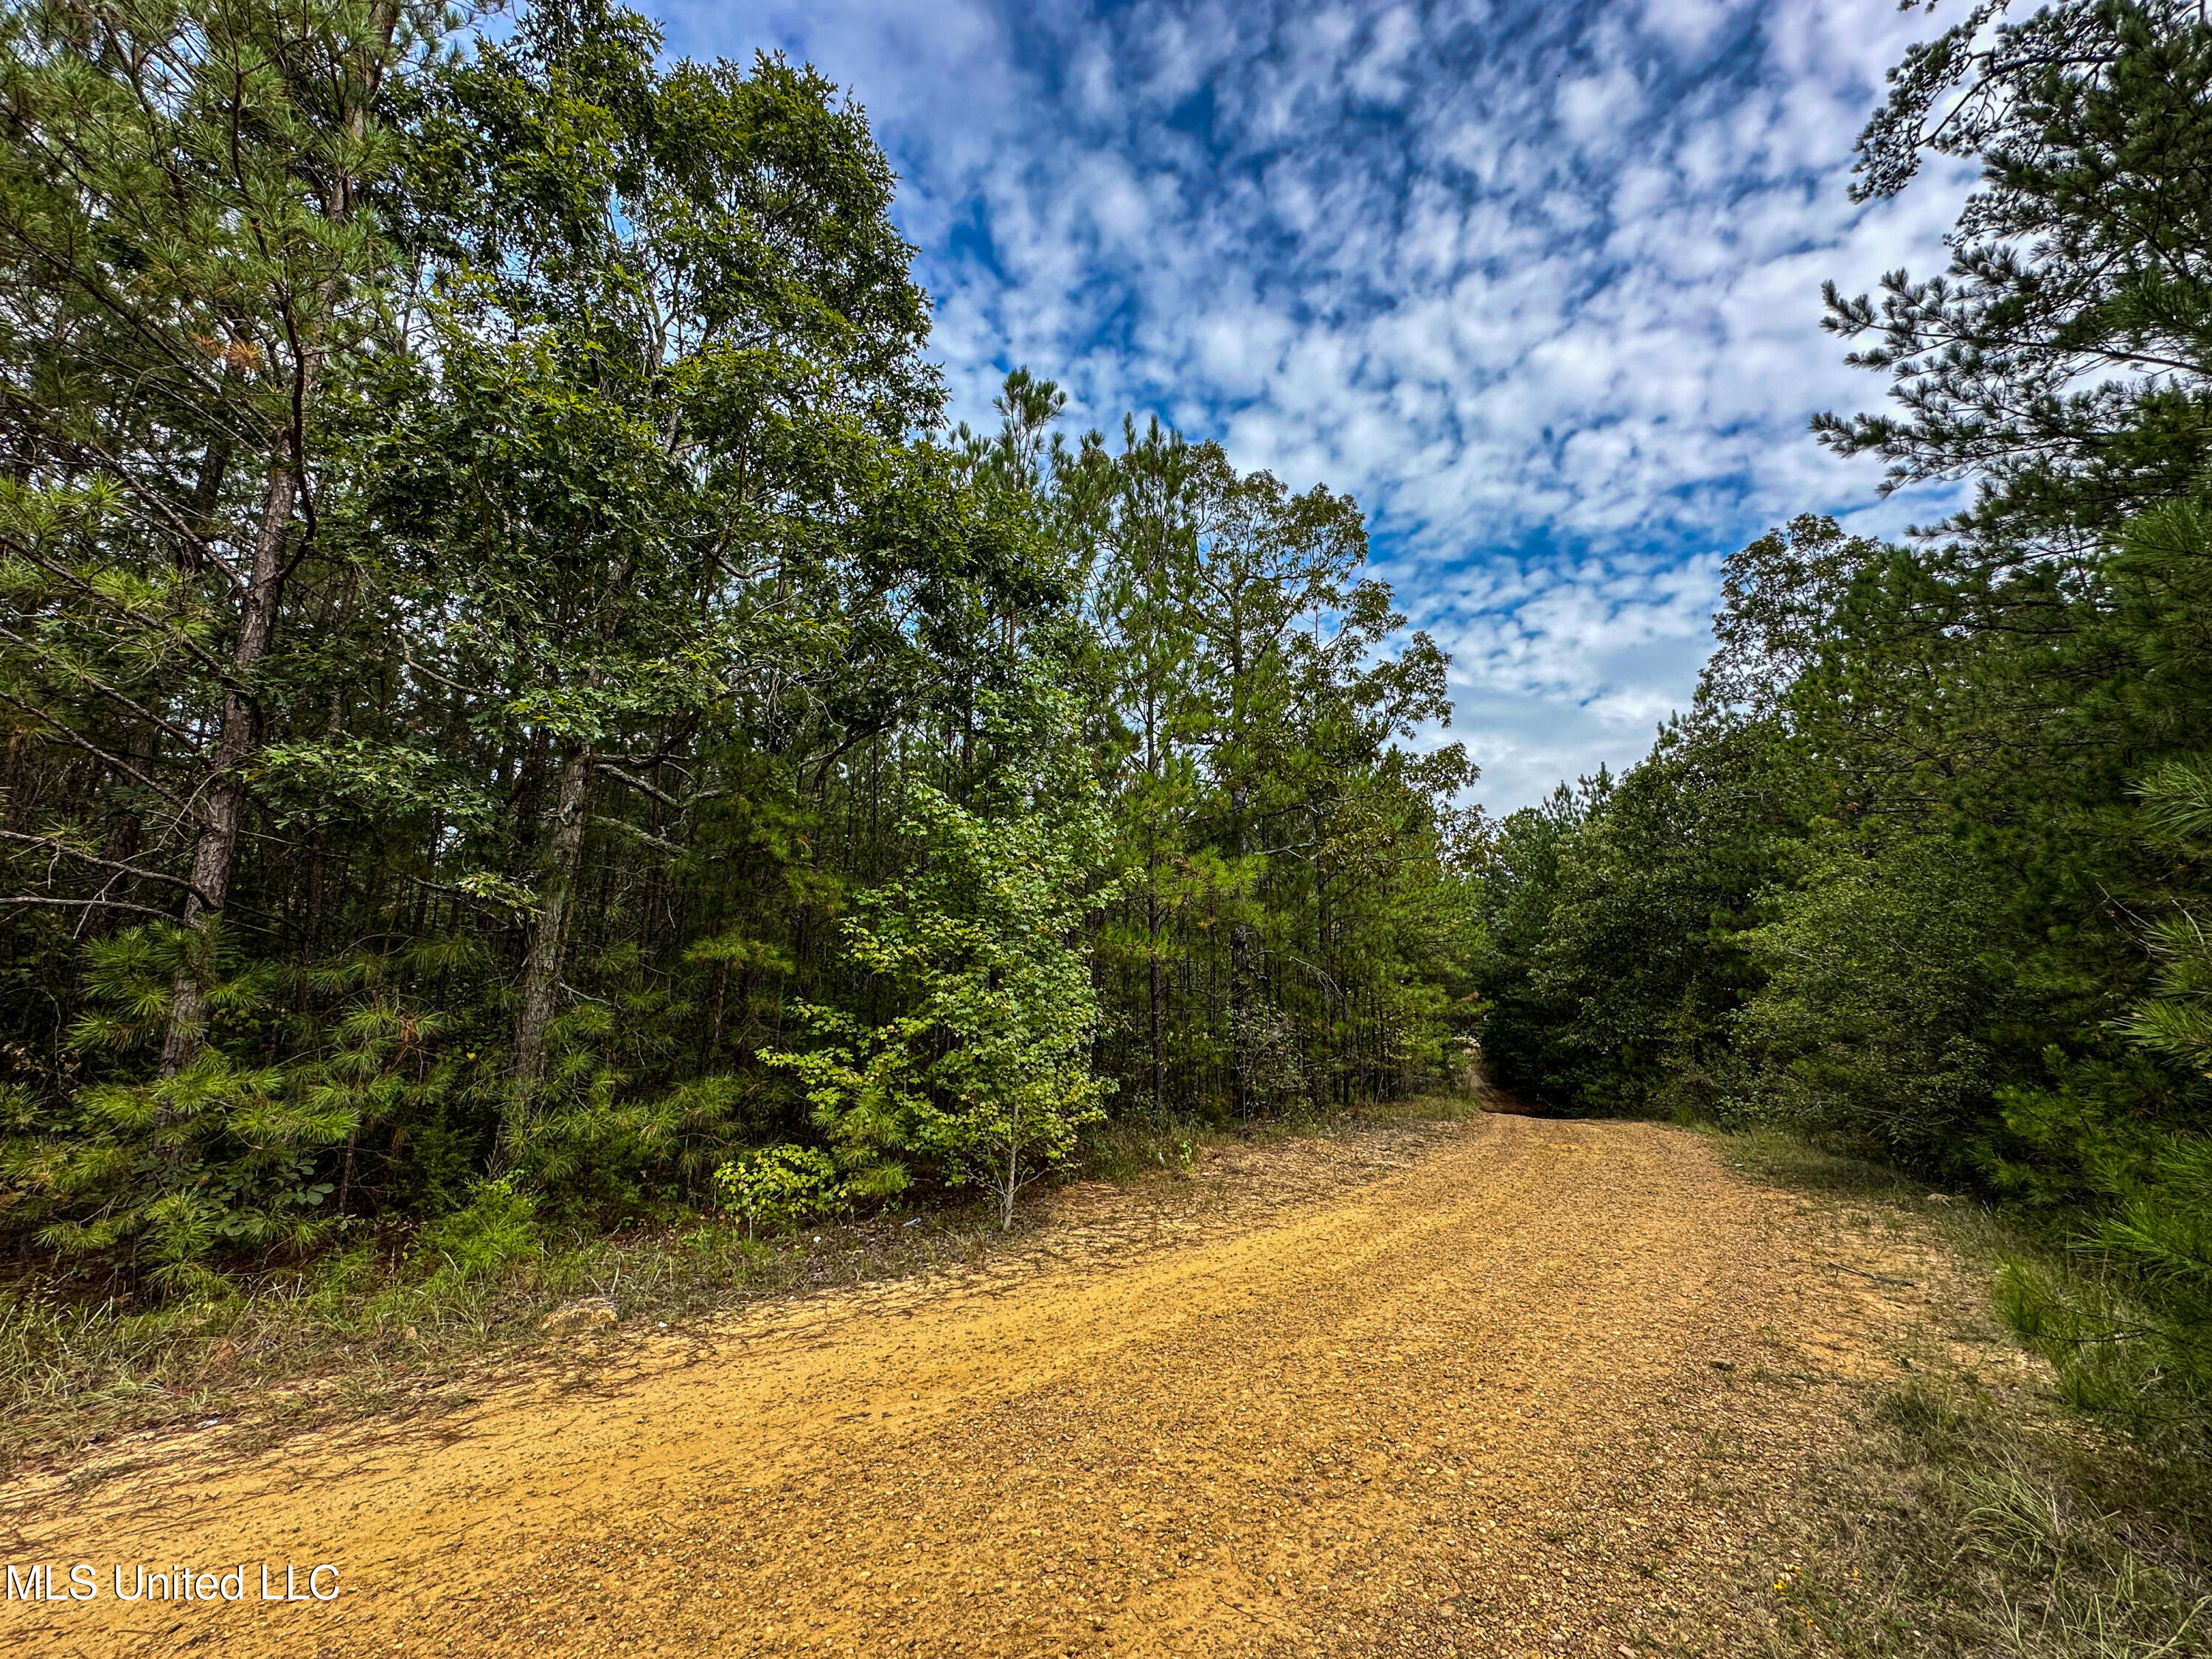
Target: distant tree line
[
  {"x": 1927, "y": 867},
  {"x": 507, "y": 682}
]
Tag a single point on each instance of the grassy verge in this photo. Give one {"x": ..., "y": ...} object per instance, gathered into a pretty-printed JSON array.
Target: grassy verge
[
  {"x": 395, "y": 1334},
  {"x": 1976, "y": 1517},
  {"x": 365, "y": 1335}
]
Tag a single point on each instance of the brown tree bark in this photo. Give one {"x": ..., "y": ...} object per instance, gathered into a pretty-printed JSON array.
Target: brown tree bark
[
  {"x": 1159, "y": 994},
  {"x": 548, "y": 933},
  {"x": 222, "y": 811}
]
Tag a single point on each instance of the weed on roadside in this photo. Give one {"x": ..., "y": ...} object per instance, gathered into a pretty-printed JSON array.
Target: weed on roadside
[
  {"x": 364, "y": 1334},
  {"x": 1134, "y": 1151},
  {"x": 1133, "y": 1148},
  {"x": 1783, "y": 1160},
  {"x": 1971, "y": 1521}
]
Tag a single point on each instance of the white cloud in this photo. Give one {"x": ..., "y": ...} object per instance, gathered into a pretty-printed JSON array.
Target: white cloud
[{"x": 1538, "y": 283}]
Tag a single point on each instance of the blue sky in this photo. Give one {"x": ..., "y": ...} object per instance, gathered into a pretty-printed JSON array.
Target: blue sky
[{"x": 1538, "y": 283}]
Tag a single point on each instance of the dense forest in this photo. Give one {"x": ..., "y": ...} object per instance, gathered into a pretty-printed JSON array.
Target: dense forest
[
  {"x": 1926, "y": 867},
  {"x": 514, "y": 695}
]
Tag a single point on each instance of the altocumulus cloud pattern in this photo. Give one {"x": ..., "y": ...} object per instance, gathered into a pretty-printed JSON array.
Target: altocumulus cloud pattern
[{"x": 1538, "y": 284}]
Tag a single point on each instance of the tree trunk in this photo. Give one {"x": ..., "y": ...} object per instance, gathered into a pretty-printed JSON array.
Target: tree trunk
[
  {"x": 127, "y": 831},
  {"x": 1240, "y": 977},
  {"x": 707, "y": 1049},
  {"x": 548, "y": 932},
  {"x": 1158, "y": 990},
  {"x": 223, "y": 809},
  {"x": 1240, "y": 944}
]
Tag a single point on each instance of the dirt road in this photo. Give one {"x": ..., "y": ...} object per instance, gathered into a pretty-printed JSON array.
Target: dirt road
[{"x": 1543, "y": 1388}]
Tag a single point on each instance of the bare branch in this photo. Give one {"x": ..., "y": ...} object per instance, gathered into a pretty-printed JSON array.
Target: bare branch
[
  {"x": 55, "y": 844},
  {"x": 89, "y": 904},
  {"x": 92, "y": 748},
  {"x": 641, "y": 786}
]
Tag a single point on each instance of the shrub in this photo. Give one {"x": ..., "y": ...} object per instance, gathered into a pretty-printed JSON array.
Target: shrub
[
  {"x": 498, "y": 1225},
  {"x": 782, "y": 1187}
]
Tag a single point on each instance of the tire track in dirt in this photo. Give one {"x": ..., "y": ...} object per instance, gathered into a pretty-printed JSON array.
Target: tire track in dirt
[{"x": 1547, "y": 1389}]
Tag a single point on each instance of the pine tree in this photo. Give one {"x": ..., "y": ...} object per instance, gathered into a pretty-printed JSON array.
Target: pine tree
[{"x": 196, "y": 271}]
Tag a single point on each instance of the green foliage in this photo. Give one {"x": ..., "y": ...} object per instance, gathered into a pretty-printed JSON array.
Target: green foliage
[
  {"x": 2131, "y": 1334},
  {"x": 216, "y": 1159},
  {"x": 497, "y": 1225},
  {"x": 2060, "y": 359},
  {"x": 2174, "y": 1020},
  {"x": 779, "y": 1188},
  {"x": 1614, "y": 962},
  {"x": 1293, "y": 916},
  {"x": 1873, "y": 991},
  {"x": 199, "y": 295},
  {"x": 983, "y": 1068}
]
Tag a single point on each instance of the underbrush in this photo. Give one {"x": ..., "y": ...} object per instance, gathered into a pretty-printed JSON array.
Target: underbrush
[
  {"x": 1124, "y": 1150},
  {"x": 1981, "y": 1517}
]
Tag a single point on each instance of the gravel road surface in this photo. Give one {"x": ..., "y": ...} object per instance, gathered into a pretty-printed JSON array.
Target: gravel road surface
[{"x": 1508, "y": 1387}]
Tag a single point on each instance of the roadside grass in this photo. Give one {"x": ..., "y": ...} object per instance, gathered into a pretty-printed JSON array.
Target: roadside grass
[
  {"x": 407, "y": 1330},
  {"x": 366, "y": 1332},
  {"x": 1977, "y": 1516}
]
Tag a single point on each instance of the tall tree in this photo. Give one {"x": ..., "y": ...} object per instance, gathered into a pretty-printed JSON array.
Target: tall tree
[
  {"x": 194, "y": 266},
  {"x": 676, "y": 342}
]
